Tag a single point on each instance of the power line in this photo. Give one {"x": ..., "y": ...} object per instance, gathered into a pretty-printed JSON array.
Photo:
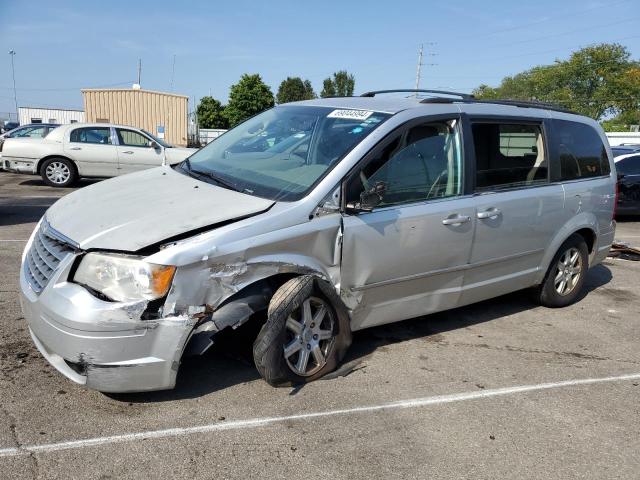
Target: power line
[
  {"x": 561, "y": 16},
  {"x": 547, "y": 51},
  {"x": 567, "y": 32},
  {"x": 67, "y": 89}
]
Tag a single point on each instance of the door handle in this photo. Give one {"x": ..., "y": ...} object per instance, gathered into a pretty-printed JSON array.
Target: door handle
[
  {"x": 491, "y": 213},
  {"x": 128, "y": 152},
  {"x": 75, "y": 148},
  {"x": 456, "y": 220}
]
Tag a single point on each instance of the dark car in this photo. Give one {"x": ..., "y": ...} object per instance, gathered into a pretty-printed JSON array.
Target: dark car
[
  {"x": 7, "y": 126},
  {"x": 628, "y": 167},
  {"x": 625, "y": 149}
]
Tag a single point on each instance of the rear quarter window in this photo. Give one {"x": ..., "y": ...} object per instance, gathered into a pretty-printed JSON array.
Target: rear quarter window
[{"x": 580, "y": 150}]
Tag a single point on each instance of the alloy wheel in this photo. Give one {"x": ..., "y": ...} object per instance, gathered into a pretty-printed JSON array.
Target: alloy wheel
[
  {"x": 310, "y": 336},
  {"x": 568, "y": 271}
]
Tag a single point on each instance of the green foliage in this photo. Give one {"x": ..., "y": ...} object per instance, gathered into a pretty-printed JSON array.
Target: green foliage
[
  {"x": 211, "y": 114},
  {"x": 597, "y": 81},
  {"x": 309, "y": 94},
  {"x": 248, "y": 97},
  {"x": 622, "y": 122},
  {"x": 293, "y": 89},
  {"x": 328, "y": 88},
  {"x": 342, "y": 85}
]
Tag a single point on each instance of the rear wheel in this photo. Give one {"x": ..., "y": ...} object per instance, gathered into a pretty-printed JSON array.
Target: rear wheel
[
  {"x": 58, "y": 172},
  {"x": 566, "y": 274},
  {"x": 306, "y": 334}
]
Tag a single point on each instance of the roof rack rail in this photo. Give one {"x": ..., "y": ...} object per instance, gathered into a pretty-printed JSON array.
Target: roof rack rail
[
  {"x": 513, "y": 103},
  {"x": 410, "y": 90}
]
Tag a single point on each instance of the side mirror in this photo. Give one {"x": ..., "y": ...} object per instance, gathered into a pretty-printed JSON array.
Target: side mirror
[{"x": 369, "y": 199}]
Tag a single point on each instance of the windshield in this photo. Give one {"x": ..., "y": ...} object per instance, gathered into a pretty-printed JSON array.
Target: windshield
[
  {"x": 281, "y": 153},
  {"x": 161, "y": 142}
]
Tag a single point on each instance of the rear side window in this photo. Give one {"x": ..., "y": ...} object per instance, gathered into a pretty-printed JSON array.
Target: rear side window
[
  {"x": 582, "y": 153},
  {"x": 100, "y": 135},
  {"x": 509, "y": 155},
  {"x": 629, "y": 166}
]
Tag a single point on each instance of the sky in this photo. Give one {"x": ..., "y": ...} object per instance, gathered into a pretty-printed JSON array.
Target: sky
[{"x": 64, "y": 46}]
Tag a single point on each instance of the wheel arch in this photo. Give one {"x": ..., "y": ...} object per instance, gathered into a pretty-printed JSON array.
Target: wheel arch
[
  {"x": 585, "y": 226},
  {"x": 237, "y": 309},
  {"x": 48, "y": 157}
]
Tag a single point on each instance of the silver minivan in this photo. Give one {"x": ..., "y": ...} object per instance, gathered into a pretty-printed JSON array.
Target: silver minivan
[{"x": 316, "y": 219}]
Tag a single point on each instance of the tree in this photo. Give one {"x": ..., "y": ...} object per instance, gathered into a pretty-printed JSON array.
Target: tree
[
  {"x": 598, "y": 81},
  {"x": 622, "y": 122},
  {"x": 248, "y": 97},
  {"x": 308, "y": 91},
  {"x": 328, "y": 88},
  {"x": 342, "y": 85},
  {"x": 211, "y": 113},
  {"x": 293, "y": 89}
]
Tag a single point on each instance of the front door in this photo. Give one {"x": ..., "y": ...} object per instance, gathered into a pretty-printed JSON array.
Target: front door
[
  {"x": 406, "y": 257},
  {"x": 518, "y": 211},
  {"x": 135, "y": 152},
  {"x": 93, "y": 151}
]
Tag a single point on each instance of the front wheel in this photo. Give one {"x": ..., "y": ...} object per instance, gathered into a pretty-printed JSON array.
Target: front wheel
[
  {"x": 58, "y": 172},
  {"x": 566, "y": 274},
  {"x": 306, "y": 334}
]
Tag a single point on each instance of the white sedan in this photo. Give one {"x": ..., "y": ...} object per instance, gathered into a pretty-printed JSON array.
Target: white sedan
[{"x": 88, "y": 150}]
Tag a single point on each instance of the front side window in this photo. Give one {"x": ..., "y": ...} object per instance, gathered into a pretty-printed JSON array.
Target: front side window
[
  {"x": 281, "y": 153},
  {"x": 629, "y": 166},
  {"x": 131, "y": 138},
  {"x": 99, "y": 135},
  {"x": 582, "y": 153},
  {"x": 420, "y": 163},
  {"x": 509, "y": 155}
]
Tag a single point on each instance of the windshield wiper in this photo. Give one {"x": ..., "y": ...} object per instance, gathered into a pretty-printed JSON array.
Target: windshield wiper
[{"x": 216, "y": 178}]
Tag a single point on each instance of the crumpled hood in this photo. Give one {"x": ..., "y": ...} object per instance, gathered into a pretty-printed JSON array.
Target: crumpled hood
[{"x": 137, "y": 210}]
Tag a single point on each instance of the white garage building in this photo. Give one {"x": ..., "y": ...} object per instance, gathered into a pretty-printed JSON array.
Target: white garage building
[{"x": 49, "y": 115}]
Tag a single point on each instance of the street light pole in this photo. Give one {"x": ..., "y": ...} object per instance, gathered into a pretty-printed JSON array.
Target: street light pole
[{"x": 13, "y": 73}]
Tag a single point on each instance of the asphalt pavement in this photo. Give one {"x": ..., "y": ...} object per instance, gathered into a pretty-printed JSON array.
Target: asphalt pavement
[{"x": 500, "y": 389}]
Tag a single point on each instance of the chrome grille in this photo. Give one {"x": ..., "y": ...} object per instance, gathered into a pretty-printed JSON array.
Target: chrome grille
[{"x": 47, "y": 250}]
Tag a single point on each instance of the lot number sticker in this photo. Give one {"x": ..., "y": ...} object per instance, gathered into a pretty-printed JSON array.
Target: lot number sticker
[{"x": 350, "y": 114}]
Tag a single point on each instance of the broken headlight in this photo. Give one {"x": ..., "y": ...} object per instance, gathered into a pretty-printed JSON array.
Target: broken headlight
[{"x": 124, "y": 278}]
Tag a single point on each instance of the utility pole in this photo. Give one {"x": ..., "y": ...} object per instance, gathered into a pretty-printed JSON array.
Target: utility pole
[
  {"x": 421, "y": 55},
  {"x": 139, "y": 70},
  {"x": 419, "y": 66},
  {"x": 173, "y": 71},
  {"x": 13, "y": 74}
]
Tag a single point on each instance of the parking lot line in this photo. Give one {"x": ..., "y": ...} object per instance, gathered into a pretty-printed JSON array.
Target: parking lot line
[
  {"x": 11, "y": 240},
  {"x": 24, "y": 450}
]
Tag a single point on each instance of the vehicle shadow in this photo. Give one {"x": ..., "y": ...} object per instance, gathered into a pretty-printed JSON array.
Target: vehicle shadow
[
  {"x": 24, "y": 210},
  {"x": 83, "y": 182},
  {"x": 229, "y": 361},
  {"x": 30, "y": 208}
]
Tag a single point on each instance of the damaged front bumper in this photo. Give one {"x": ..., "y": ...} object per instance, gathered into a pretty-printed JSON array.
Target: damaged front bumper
[{"x": 103, "y": 345}]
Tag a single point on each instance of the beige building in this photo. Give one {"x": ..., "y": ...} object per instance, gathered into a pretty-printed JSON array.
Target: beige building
[{"x": 159, "y": 113}]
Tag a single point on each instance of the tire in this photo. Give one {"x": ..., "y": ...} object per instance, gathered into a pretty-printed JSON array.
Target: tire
[
  {"x": 565, "y": 278},
  {"x": 279, "y": 346},
  {"x": 58, "y": 172}
]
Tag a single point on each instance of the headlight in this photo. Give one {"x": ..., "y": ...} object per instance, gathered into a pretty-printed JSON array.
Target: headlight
[{"x": 124, "y": 278}]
